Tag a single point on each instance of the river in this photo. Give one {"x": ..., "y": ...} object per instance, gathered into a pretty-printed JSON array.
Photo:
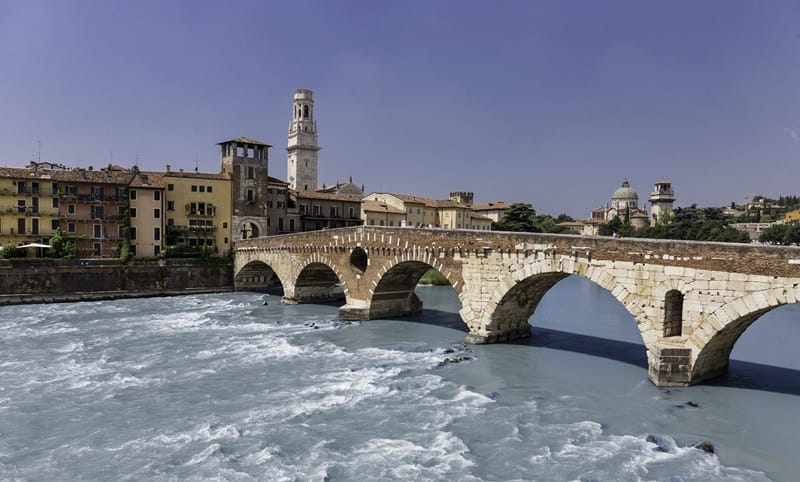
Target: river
[{"x": 223, "y": 386}]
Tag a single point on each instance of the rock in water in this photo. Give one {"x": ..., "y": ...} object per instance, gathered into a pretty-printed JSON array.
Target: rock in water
[{"x": 705, "y": 447}]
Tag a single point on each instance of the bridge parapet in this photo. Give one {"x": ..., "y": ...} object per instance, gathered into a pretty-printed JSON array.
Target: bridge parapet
[{"x": 691, "y": 300}]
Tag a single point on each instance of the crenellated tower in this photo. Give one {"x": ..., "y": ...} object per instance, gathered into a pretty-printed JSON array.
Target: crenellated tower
[{"x": 302, "y": 149}]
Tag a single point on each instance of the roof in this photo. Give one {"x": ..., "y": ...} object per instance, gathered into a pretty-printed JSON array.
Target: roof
[
  {"x": 326, "y": 196},
  {"x": 148, "y": 179},
  {"x": 625, "y": 192},
  {"x": 244, "y": 140},
  {"x": 490, "y": 206},
  {"x": 376, "y": 206},
  {"x": 481, "y": 217},
  {"x": 428, "y": 202},
  {"x": 197, "y": 175},
  {"x": 102, "y": 176},
  {"x": 275, "y": 180}
]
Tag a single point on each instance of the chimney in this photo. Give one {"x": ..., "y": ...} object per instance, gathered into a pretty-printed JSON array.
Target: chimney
[{"x": 168, "y": 167}]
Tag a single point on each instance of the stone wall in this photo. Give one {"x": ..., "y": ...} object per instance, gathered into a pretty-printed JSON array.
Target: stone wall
[{"x": 32, "y": 281}]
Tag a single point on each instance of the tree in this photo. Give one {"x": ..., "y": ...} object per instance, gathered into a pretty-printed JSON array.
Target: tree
[
  {"x": 61, "y": 246},
  {"x": 520, "y": 217}
]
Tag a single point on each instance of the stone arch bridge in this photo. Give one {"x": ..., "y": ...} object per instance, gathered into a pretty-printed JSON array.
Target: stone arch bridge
[{"x": 691, "y": 300}]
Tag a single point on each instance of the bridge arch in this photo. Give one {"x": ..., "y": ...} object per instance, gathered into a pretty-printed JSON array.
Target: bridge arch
[
  {"x": 516, "y": 296},
  {"x": 712, "y": 341},
  {"x": 317, "y": 279},
  {"x": 257, "y": 275}
]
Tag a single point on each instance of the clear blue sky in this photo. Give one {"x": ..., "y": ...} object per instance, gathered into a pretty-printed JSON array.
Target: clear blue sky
[{"x": 547, "y": 102}]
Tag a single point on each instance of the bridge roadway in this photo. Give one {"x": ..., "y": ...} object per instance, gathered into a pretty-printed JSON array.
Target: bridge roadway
[{"x": 691, "y": 300}]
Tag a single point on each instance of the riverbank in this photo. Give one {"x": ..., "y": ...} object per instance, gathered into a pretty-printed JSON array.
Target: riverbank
[
  {"x": 28, "y": 298},
  {"x": 53, "y": 281}
]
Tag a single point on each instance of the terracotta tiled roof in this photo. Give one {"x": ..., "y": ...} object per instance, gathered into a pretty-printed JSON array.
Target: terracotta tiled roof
[
  {"x": 428, "y": 202},
  {"x": 148, "y": 179},
  {"x": 245, "y": 140},
  {"x": 102, "y": 176},
  {"x": 490, "y": 206},
  {"x": 377, "y": 206}
]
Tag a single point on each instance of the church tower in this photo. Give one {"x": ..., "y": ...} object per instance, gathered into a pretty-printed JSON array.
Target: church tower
[
  {"x": 661, "y": 200},
  {"x": 303, "y": 150}
]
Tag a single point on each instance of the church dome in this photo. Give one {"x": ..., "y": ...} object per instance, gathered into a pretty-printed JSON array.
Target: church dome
[{"x": 625, "y": 193}]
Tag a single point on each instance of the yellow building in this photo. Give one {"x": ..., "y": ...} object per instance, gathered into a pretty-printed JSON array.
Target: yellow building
[
  {"x": 198, "y": 211},
  {"x": 146, "y": 212},
  {"x": 416, "y": 211},
  {"x": 28, "y": 207},
  {"x": 792, "y": 217},
  {"x": 378, "y": 213}
]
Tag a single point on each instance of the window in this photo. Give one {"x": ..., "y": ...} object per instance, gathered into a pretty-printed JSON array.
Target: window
[
  {"x": 55, "y": 188},
  {"x": 156, "y": 250},
  {"x": 97, "y": 212},
  {"x": 121, "y": 210},
  {"x": 391, "y": 223},
  {"x": 54, "y": 224},
  {"x": 250, "y": 195},
  {"x": 170, "y": 222},
  {"x": 21, "y": 206},
  {"x": 133, "y": 212},
  {"x": 352, "y": 212},
  {"x": 381, "y": 222},
  {"x": 70, "y": 227},
  {"x": 34, "y": 226},
  {"x": 250, "y": 172},
  {"x": 35, "y": 188},
  {"x": 98, "y": 231},
  {"x": 269, "y": 204},
  {"x": 194, "y": 188},
  {"x": 291, "y": 225},
  {"x": 317, "y": 210},
  {"x": 156, "y": 195},
  {"x": 170, "y": 205},
  {"x": 673, "y": 313},
  {"x": 133, "y": 194},
  {"x": 133, "y": 234},
  {"x": 170, "y": 187},
  {"x": 224, "y": 225},
  {"x": 334, "y": 211},
  {"x": 208, "y": 189},
  {"x": 202, "y": 188},
  {"x": 372, "y": 222},
  {"x": 74, "y": 190},
  {"x": 280, "y": 224},
  {"x": 70, "y": 209},
  {"x": 21, "y": 187},
  {"x": 156, "y": 213},
  {"x": 157, "y": 234},
  {"x": 226, "y": 240},
  {"x": 96, "y": 249}
]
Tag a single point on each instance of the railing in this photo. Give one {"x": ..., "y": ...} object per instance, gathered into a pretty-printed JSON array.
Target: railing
[
  {"x": 28, "y": 191},
  {"x": 93, "y": 198}
]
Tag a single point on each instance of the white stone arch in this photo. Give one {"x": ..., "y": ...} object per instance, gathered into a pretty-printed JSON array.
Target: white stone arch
[
  {"x": 713, "y": 339},
  {"x": 278, "y": 267},
  {"x": 533, "y": 266}
]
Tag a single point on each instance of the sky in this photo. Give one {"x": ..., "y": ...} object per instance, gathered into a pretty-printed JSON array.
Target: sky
[{"x": 551, "y": 103}]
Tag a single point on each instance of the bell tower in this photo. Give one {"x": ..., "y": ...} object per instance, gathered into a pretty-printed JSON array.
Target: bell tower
[
  {"x": 302, "y": 149},
  {"x": 661, "y": 200}
]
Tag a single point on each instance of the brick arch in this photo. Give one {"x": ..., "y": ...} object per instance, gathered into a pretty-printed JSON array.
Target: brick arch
[
  {"x": 712, "y": 341},
  {"x": 422, "y": 256},
  {"x": 306, "y": 262}
]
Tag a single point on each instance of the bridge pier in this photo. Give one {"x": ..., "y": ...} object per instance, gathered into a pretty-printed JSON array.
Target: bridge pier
[
  {"x": 381, "y": 306},
  {"x": 312, "y": 294},
  {"x": 670, "y": 366}
]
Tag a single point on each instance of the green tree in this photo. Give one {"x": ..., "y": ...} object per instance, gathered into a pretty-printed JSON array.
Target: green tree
[
  {"x": 61, "y": 246},
  {"x": 519, "y": 217}
]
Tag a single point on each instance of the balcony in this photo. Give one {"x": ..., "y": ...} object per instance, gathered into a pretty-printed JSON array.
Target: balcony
[
  {"x": 27, "y": 191},
  {"x": 93, "y": 198}
]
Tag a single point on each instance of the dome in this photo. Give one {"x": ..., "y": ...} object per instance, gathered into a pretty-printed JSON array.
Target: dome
[{"x": 625, "y": 193}]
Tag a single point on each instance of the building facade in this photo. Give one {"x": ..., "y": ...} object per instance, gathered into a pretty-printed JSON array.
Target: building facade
[
  {"x": 146, "y": 214},
  {"x": 245, "y": 162},
  {"x": 199, "y": 212}
]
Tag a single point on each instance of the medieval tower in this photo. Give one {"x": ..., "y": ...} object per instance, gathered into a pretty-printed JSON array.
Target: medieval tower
[
  {"x": 661, "y": 200},
  {"x": 303, "y": 150}
]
